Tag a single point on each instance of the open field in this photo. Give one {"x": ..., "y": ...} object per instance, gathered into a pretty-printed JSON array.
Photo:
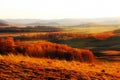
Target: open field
[
  {"x": 68, "y": 53},
  {"x": 59, "y": 40},
  {"x": 59, "y": 67},
  {"x": 19, "y": 67},
  {"x": 97, "y": 42}
]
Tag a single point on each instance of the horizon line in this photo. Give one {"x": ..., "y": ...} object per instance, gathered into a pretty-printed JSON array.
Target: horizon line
[{"x": 58, "y": 18}]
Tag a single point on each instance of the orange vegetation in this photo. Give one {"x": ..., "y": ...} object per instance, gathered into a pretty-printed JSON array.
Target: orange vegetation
[
  {"x": 19, "y": 67},
  {"x": 7, "y": 45},
  {"x": 110, "y": 52},
  {"x": 103, "y": 36},
  {"x": 46, "y": 49},
  {"x": 54, "y": 36}
]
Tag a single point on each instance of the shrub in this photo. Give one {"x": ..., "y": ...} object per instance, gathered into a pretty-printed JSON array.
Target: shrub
[
  {"x": 56, "y": 51},
  {"x": 45, "y": 49},
  {"x": 103, "y": 36},
  {"x": 7, "y": 45}
]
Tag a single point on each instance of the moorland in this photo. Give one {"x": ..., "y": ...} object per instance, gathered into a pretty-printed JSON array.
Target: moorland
[{"x": 53, "y": 52}]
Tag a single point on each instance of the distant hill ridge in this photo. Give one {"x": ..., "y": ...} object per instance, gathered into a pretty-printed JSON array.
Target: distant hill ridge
[
  {"x": 3, "y": 23},
  {"x": 65, "y": 21}
]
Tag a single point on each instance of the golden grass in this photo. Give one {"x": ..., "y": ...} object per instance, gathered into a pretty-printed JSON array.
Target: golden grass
[{"x": 108, "y": 67}]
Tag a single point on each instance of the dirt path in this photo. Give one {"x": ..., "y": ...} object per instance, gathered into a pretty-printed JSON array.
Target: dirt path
[{"x": 29, "y": 71}]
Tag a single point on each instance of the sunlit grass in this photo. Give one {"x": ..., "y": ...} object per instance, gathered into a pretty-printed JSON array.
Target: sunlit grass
[{"x": 109, "y": 67}]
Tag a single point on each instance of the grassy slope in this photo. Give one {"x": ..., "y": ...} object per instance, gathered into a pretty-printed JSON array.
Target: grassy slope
[
  {"x": 97, "y": 46},
  {"x": 21, "y": 67},
  {"x": 87, "y": 42},
  {"x": 92, "y": 27}
]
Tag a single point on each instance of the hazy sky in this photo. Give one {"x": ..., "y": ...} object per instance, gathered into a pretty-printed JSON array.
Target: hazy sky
[{"x": 57, "y": 9}]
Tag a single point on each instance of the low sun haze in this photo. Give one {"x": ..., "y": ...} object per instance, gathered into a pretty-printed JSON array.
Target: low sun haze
[{"x": 57, "y": 9}]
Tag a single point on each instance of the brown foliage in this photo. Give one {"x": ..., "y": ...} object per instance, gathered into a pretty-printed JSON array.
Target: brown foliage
[
  {"x": 7, "y": 45},
  {"x": 53, "y": 36},
  {"x": 55, "y": 51},
  {"x": 46, "y": 49},
  {"x": 103, "y": 36}
]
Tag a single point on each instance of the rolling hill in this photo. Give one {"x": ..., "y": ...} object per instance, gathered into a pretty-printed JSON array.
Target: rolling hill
[
  {"x": 3, "y": 23},
  {"x": 65, "y": 22}
]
